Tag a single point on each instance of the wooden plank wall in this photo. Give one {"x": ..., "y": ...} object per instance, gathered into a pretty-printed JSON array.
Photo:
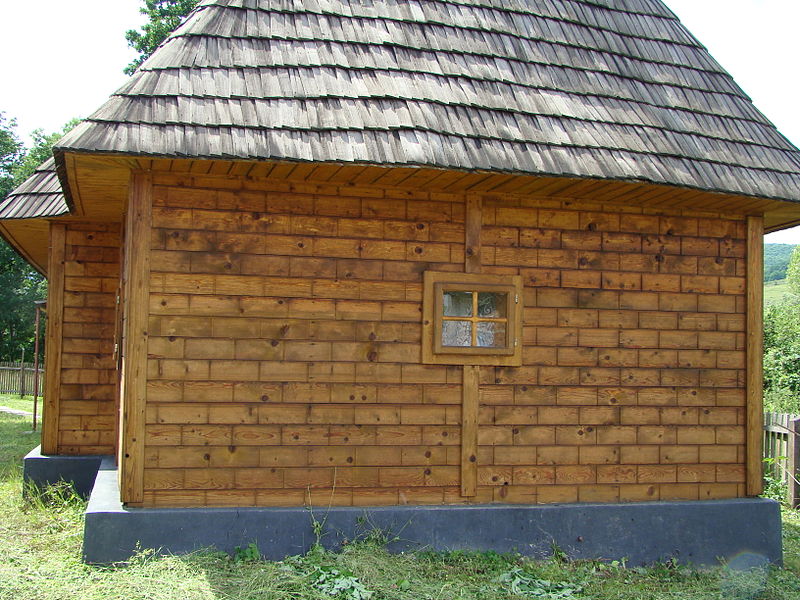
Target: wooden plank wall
[
  {"x": 87, "y": 375},
  {"x": 284, "y": 350}
]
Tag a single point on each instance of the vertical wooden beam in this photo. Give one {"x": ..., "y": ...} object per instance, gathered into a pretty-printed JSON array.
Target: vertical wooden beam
[
  {"x": 755, "y": 354},
  {"x": 472, "y": 234},
  {"x": 54, "y": 337},
  {"x": 470, "y": 385},
  {"x": 136, "y": 312},
  {"x": 470, "y": 392}
]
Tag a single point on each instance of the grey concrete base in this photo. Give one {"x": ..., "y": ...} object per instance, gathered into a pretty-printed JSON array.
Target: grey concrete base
[
  {"x": 41, "y": 470},
  {"x": 699, "y": 533}
]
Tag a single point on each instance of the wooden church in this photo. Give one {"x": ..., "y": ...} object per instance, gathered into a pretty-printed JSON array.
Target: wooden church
[{"x": 399, "y": 253}]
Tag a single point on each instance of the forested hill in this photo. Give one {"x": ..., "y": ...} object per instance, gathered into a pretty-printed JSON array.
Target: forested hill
[{"x": 776, "y": 259}]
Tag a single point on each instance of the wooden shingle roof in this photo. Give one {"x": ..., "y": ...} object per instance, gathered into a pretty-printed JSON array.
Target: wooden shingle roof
[
  {"x": 39, "y": 196},
  {"x": 610, "y": 89}
]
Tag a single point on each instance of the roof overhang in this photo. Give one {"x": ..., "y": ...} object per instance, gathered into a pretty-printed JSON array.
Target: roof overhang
[{"x": 96, "y": 189}]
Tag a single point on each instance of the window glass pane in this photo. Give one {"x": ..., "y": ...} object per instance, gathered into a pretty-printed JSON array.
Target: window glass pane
[
  {"x": 456, "y": 333},
  {"x": 458, "y": 304},
  {"x": 491, "y": 335},
  {"x": 492, "y": 304}
]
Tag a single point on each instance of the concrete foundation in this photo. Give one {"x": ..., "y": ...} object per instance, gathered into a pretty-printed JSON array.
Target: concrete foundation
[
  {"x": 697, "y": 532},
  {"x": 39, "y": 470}
]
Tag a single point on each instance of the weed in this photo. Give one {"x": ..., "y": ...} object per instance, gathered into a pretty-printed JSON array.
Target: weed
[
  {"x": 774, "y": 486},
  {"x": 340, "y": 584},
  {"x": 249, "y": 553},
  {"x": 58, "y": 496},
  {"x": 558, "y": 554},
  {"x": 518, "y": 582}
]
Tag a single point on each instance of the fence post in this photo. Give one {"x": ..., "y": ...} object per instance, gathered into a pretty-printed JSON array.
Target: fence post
[
  {"x": 38, "y": 304},
  {"x": 22, "y": 375},
  {"x": 794, "y": 462}
]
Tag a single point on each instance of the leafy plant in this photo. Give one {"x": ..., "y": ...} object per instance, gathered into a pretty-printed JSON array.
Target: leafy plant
[
  {"x": 518, "y": 582},
  {"x": 774, "y": 486},
  {"x": 782, "y": 355},
  {"x": 249, "y": 553},
  {"x": 559, "y": 555},
  {"x": 339, "y": 583},
  {"x": 319, "y": 567}
]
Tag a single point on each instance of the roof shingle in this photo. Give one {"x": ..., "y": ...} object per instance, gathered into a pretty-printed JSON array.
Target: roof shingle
[{"x": 611, "y": 89}]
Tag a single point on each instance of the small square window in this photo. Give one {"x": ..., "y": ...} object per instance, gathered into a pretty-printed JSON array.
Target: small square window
[{"x": 472, "y": 319}]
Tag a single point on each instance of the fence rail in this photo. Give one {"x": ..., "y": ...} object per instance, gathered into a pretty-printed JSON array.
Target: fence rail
[
  {"x": 782, "y": 449},
  {"x": 12, "y": 380}
]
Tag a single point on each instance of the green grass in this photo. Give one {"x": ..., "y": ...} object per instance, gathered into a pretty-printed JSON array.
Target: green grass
[
  {"x": 25, "y": 403},
  {"x": 40, "y": 542},
  {"x": 775, "y": 290}
]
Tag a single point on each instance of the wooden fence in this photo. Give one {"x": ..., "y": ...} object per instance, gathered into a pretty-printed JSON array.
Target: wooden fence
[
  {"x": 782, "y": 449},
  {"x": 12, "y": 380}
]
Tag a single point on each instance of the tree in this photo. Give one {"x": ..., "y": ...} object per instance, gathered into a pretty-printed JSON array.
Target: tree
[
  {"x": 776, "y": 259},
  {"x": 11, "y": 154},
  {"x": 42, "y": 150},
  {"x": 164, "y": 16},
  {"x": 20, "y": 285},
  {"x": 793, "y": 271}
]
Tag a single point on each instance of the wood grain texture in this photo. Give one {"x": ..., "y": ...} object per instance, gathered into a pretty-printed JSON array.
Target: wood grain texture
[
  {"x": 87, "y": 394},
  {"x": 134, "y": 371},
  {"x": 285, "y": 346},
  {"x": 53, "y": 339},
  {"x": 472, "y": 233},
  {"x": 755, "y": 353},
  {"x": 470, "y": 386},
  {"x": 469, "y": 430}
]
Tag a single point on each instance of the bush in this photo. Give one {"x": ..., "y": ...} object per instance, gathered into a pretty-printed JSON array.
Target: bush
[{"x": 782, "y": 355}]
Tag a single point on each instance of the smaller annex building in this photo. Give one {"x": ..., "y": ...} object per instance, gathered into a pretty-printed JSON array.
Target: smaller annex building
[{"x": 487, "y": 272}]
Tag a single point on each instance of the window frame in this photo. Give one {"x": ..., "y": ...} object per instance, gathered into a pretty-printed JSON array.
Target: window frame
[{"x": 436, "y": 283}]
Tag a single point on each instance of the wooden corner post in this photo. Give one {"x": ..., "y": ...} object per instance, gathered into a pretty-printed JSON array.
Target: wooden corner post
[
  {"x": 794, "y": 463},
  {"x": 133, "y": 388},
  {"x": 470, "y": 385},
  {"x": 755, "y": 355},
  {"x": 54, "y": 337}
]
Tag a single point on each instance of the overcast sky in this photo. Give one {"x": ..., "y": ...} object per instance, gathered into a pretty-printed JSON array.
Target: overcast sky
[{"x": 62, "y": 59}]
